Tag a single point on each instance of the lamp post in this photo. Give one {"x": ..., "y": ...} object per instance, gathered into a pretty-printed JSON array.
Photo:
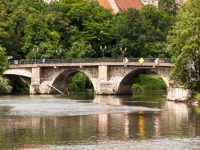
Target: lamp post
[
  {"x": 103, "y": 50},
  {"x": 35, "y": 50},
  {"x": 58, "y": 53},
  {"x": 123, "y": 50}
]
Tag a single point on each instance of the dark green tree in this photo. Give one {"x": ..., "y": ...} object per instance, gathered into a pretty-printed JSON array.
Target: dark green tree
[
  {"x": 161, "y": 23},
  {"x": 184, "y": 46},
  {"x": 20, "y": 85},
  {"x": 3, "y": 60},
  {"x": 92, "y": 20},
  {"x": 4, "y": 83},
  {"x": 169, "y": 6},
  {"x": 80, "y": 83},
  {"x": 129, "y": 29}
]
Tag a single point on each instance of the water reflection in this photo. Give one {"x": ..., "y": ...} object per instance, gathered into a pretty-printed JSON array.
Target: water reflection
[
  {"x": 104, "y": 124},
  {"x": 107, "y": 100},
  {"x": 126, "y": 127},
  {"x": 141, "y": 125},
  {"x": 157, "y": 126}
]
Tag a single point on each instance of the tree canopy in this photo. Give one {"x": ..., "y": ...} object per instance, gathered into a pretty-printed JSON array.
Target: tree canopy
[
  {"x": 169, "y": 6},
  {"x": 3, "y": 60},
  {"x": 184, "y": 45},
  {"x": 79, "y": 28}
]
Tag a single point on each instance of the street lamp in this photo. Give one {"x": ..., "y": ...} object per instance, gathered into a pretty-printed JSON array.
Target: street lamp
[
  {"x": 123, "y": 50},
  {"x": 58, "y": 52},
  {"x": 35, "y": 50},
  {"x": 103, "y": 50}
]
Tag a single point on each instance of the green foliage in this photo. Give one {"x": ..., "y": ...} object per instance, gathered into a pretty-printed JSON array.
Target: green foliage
[
  {"x": 80, "y": 83},
  {"x": 3, "y": 60},
  {"x": 169, "y": 6},
  {"x": 142, "y": 32},
  {"x": 197, "y": 97},
  {"x": 80, "y": 50},
  {"x": 148, "y": 83},
  {"x": 20, "y": 85},
  {"x": 4, "y": 85},
  {"x": 184, "y": 43},
  {"x": 79, "y": 28},
  {"x": 138, "y": 88}
]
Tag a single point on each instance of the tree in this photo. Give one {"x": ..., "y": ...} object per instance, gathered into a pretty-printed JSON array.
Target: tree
[
  {"x": 4, "y": 83},
  {"x": 169, "y": 6},
  {"x": 80, "y": 83},
  {"x": 184, "y": 46},
  {"x": 80, "y": 49},
  {"x": 160, "y": 23},
  {"x": 3, "y": 60},
  {"x": 142, "y": 32},
  {"x": 91, "y": 19},
  {"x": 130, "y": 31}
]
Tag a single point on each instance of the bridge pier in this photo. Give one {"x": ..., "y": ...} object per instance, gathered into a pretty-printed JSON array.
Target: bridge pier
[
  {"x": 105, "y": 85},
  {"x": 37, "y": 75}
]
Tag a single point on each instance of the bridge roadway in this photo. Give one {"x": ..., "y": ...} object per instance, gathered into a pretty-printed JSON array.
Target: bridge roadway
[{"x": 108, "y": 76}]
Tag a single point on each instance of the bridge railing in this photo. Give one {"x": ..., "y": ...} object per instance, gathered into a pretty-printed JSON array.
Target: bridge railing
[{"x": 83, "y": 60}]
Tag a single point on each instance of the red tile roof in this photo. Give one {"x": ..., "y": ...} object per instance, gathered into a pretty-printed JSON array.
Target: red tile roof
[
  {"x": 122, "y": 5},
  {"x": 125, "y": 4},
  {"x": 105, "y": 4}
]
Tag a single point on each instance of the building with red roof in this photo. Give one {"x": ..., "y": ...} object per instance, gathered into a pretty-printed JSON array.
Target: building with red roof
[{"x": 120, "y": 5}]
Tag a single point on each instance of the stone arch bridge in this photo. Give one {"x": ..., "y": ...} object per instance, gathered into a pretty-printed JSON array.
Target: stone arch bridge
[{"x": 108, "y": 76}]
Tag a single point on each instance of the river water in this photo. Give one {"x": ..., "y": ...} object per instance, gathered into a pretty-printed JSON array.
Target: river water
[{"x": 144, "y": 121}]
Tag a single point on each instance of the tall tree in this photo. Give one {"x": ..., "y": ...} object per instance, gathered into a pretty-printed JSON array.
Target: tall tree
[
  {"x": 93, "y": 22},
  {"x": 3, "y": 60},
  {"x": 130, "y": 31},
  {"x": 161, "y": 23},
  {"x": 4, "y": 83},
  {"x": 169, "y": 6},
  {"x": 184, "y": 45}
]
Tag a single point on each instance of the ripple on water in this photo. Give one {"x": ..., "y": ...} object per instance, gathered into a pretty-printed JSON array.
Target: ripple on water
[
  {"x": 158, "y": 144},
  {"x": 65, "y": 107}
]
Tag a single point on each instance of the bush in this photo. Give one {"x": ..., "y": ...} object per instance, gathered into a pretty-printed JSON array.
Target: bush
[
  {"x": 197, "y": 97},
  {"x": 20, "y": 85},
  {"x": 148, "y": 83},
  {"x": 4, "y": 85}
]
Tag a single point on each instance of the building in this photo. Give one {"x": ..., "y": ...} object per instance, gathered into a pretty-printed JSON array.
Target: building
[
  {"x": 152, "y": 2},
  {"x": 120, "y": 5},
  {"x": 49, "y": 1},
  {"x": 155, "y": 2}
]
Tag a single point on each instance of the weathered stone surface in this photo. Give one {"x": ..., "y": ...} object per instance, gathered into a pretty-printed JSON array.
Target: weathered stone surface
[{"x": 177, "y": 94}]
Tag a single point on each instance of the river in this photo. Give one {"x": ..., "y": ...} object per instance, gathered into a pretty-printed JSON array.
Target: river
[{"x": 144, "y": 121}]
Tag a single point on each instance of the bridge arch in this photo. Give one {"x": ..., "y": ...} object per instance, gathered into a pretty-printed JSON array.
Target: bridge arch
[
  {"x": 125, "y": 86},
  {"x": 12, "y": 74},
  {"x": 20, "y": 72},
  {"x": 62, "y": 77}
]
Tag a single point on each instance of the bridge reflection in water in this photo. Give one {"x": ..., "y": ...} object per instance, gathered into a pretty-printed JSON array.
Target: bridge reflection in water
[{"x": 124, "y": 124}]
